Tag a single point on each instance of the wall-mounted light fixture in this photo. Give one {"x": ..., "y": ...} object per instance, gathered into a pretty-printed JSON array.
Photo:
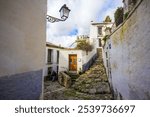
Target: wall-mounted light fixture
[{"x": 64, "y": 13}]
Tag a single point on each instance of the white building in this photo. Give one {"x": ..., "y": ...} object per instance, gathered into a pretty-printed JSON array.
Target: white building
[
  {"x": 98, "y": 32},
  {"x": 52, "y": 58},
  {"x": 74, "y": 60}
]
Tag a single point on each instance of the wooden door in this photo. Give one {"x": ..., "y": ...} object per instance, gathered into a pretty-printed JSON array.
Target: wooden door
[{"x": 73, "y": 62}]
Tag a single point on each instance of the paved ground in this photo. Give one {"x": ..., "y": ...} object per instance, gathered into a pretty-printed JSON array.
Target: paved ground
[{"x": 54, "y": 91}]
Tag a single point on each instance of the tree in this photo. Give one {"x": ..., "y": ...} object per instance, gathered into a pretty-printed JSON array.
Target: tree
[
  {"x": 118, "y": 16},
  {"x": 107, "y": 19},
  {"x": 83, "y": 45}
]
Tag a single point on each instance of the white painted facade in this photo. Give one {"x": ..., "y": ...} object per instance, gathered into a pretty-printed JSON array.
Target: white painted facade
[
  {"x": 95, "y": 37},
  {"x": 129, "y": 55},
  {"x": 82, "y": 58},
  {"x": 64, "y": 59},
  {"x": 55, "y": 50}
]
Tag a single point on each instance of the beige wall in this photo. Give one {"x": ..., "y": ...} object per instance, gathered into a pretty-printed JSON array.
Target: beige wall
[{"x": 22, "y": 35}]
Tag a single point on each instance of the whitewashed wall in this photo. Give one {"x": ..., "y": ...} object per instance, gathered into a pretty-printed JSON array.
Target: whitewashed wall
[
  {"x": 54, "y": 63},
  {"x": 94, "y": 37},
  {"x": 130, "y": 56},
  {"x": 82, "y": 58},
  {"x": 64, "y": 59},
  {"x": 22, "y": 48},
  {"x": 87, "y": 57}
]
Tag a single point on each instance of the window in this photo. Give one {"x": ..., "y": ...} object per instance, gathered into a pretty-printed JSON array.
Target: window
[
  {"x": 109, "y": 46},
  {"x": 99, "y": 30},
  {"x": 49, "y": 56},
  {"x": 49, "y": 70},
  {"x": 57, "y": 56},
  {"x": 106, "y": 55},
  {"x": 100, "y": 44}
]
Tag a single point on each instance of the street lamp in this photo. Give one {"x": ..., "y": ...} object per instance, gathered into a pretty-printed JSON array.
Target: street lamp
[{"x": 64, "y": 13}]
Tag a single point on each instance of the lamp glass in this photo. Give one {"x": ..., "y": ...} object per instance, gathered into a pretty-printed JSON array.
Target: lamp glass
[{"x": 64, "y": 12}]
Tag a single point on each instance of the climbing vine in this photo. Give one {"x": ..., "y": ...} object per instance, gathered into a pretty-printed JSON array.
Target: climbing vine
[{"x": 105, "y": 39}]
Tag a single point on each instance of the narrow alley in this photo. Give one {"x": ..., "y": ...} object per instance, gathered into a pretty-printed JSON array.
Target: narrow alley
[{"x": 91, "y": 85}]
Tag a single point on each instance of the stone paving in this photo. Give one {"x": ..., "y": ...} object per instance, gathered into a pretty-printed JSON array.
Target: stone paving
[{"x": 92, "y": 85}]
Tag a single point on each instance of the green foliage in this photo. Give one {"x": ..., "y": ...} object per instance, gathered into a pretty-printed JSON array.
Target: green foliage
[
  {"x": 83, "y": 45},
  {"x": 118, "y": 16},
  {"x": 107, "y": 19},
  {"x": 105, "y": 39},
  {"x": 126, "y": 15}
]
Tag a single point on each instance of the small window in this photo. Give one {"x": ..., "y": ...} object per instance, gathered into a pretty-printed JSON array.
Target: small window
[
  {"x": 99, "y": 30},
  {"x": 109, "y": 46},
  {"x": 106, "y": 55},
  {"x": 100, "y": 44},
  {"x": 57, "y": 56},
  {"x": 49, "y": 56}
]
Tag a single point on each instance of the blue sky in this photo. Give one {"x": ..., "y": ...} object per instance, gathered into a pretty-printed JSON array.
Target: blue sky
[
  {"x": 73, "y": 32},
  {"x": 78, "y": 23}
]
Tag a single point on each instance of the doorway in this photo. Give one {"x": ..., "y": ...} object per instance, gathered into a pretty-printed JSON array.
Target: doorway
[{"x": 73, "y": 62}]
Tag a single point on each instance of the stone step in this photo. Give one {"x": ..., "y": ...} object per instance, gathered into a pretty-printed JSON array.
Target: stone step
[
  {"x": 94, "y": 81},
  {"x": 84, "y": 96},
  {"x": 93, "y": 88}
]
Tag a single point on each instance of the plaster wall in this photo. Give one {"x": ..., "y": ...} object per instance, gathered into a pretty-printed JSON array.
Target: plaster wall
[
  {"x": 54, "y": 63},
  {"x": 94, "y": 36},
  {"x": 130, "y": 55},
  {"x": 22, "y": 35},
  {"x": 64, "y": 59},
  {"x": 22, "y": 48},
  {"x": 82, "y": 58}
]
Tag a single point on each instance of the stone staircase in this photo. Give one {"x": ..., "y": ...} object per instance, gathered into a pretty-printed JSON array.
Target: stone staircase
[
  {"x": 92, "y": 85},
  {"x": 94, "y": 81}
]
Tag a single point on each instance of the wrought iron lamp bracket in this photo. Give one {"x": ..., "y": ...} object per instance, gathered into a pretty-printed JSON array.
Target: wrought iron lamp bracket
[{"x": 54, "y": 19}]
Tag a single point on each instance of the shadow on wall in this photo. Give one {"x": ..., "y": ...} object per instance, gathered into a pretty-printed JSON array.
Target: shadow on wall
[{"x": 89, "y": 63}]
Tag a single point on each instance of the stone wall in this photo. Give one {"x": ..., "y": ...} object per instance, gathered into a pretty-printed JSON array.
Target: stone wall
[
  {"x": 64, "y": 79},
  {"x": 129, "y": 55},
  {"x": 22, "y": 48}
]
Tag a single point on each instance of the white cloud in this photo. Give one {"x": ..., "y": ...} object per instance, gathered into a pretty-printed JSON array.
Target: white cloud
[{"x": 82, "y": 13}]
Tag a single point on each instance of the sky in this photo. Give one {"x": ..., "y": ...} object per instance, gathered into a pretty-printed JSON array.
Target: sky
[{"x": 79, "y": 20}]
